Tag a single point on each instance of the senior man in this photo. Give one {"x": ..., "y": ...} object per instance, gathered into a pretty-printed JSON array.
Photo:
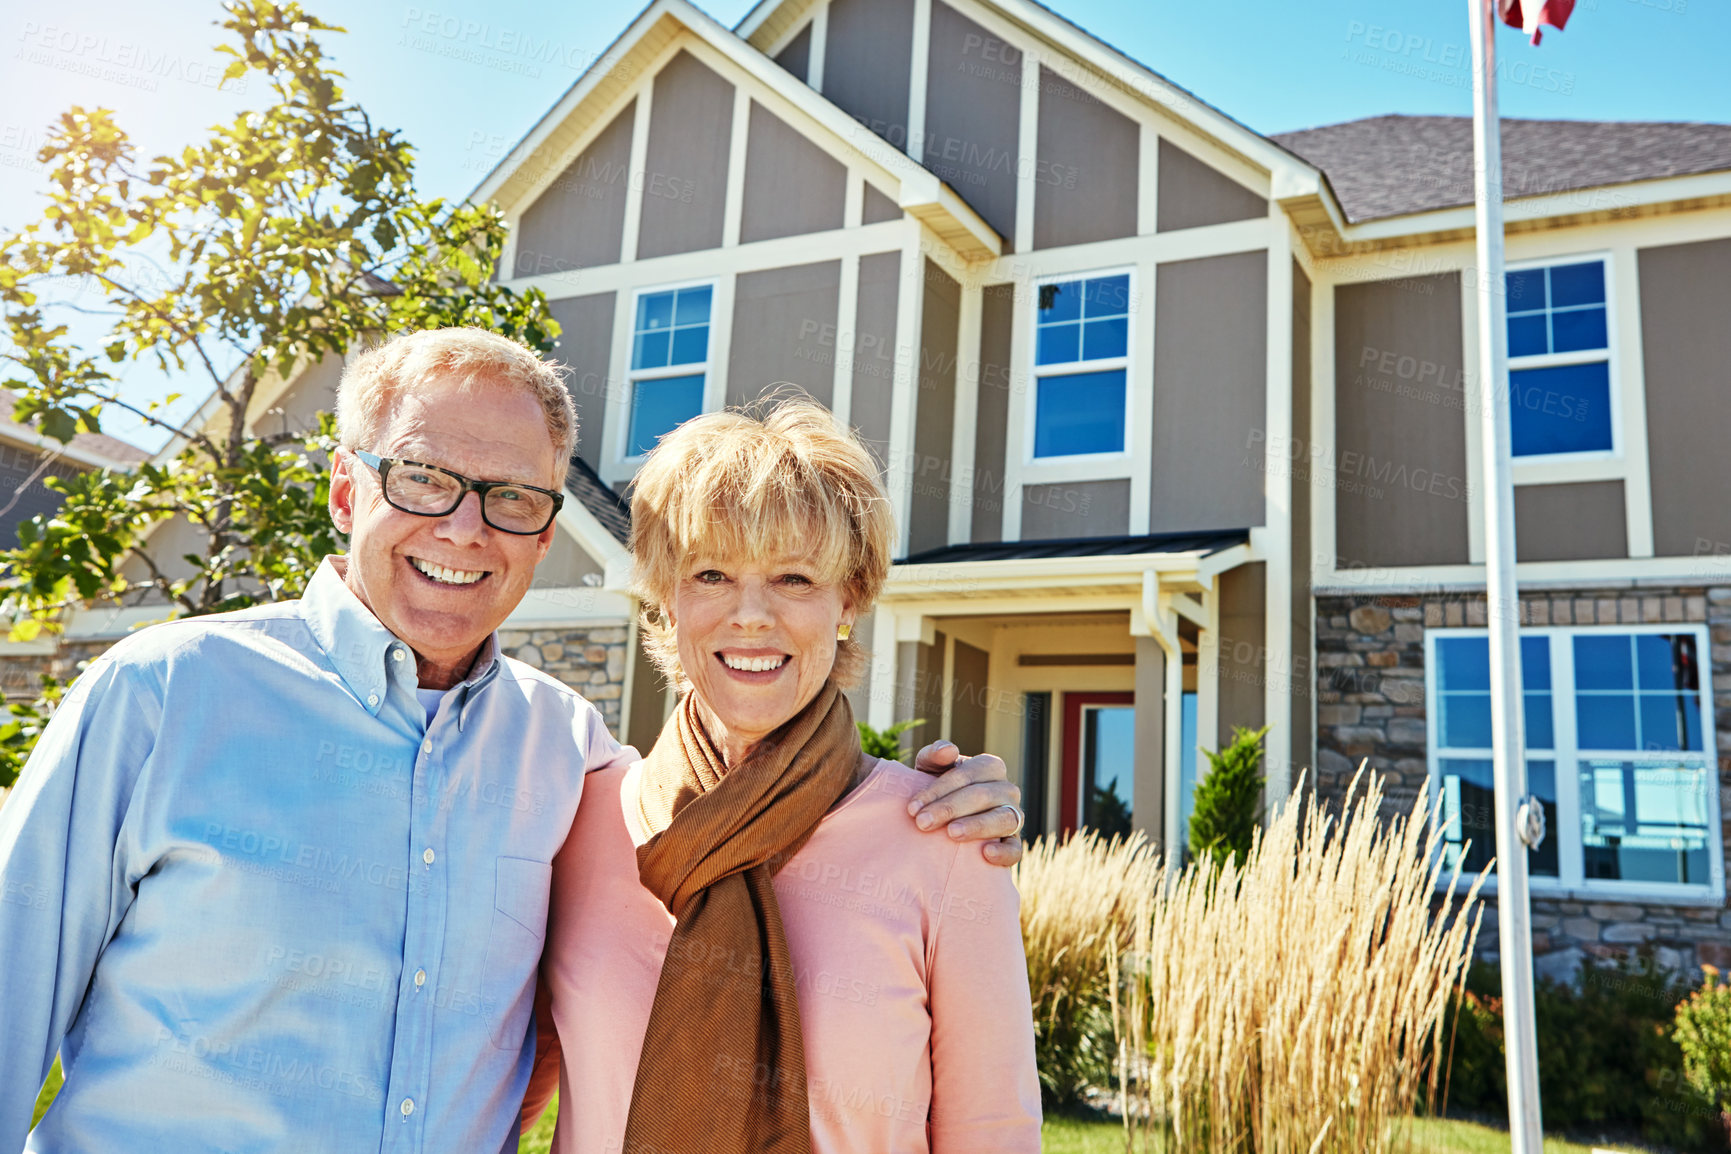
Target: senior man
[{"x": 277, "y": 879}]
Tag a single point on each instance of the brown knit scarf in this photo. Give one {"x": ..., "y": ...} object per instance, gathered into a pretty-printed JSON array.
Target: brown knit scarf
[{"x": 723, "y": 1065}]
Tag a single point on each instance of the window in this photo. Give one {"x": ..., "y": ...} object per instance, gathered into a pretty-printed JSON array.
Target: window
[
  {"x": 669, "y": 363},
  {"x": 1081, "y": 361},
  {"x": 1559, "y": 360},
  {"x": 1617, "y": 753}
]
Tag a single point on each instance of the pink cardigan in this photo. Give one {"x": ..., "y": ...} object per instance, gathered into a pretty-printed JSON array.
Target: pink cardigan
[{"x": 907, "y": 951}]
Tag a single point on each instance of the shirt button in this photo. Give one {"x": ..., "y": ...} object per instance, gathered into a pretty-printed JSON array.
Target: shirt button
[
  {"x": 396, "y": 655},
  {"x": 427, "y": 746},
  {"x": 372, "y": 699},
  {"x": 420, "y": 978},
  {"x": 408, "y": 1107},
  {"x": 427, "y": 855}
]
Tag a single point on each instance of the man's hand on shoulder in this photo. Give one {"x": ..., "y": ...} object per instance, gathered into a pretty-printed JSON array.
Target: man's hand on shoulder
[{"x": 973, "y": 798}]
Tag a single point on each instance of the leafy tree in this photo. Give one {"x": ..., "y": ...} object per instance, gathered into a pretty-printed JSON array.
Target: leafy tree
[
  {"x": 291, "y": 233},
  {"x": 1229, "y": 799}
]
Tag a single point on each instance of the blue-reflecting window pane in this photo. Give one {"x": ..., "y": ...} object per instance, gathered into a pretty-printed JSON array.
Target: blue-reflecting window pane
[
  {"x": 1060, "y": 302},
  {"x": 1605, "y": 721},
  {"x": 650, "y": 351},
  {"x": 1058, "y": 344},
  {"x": 1079, "y": 413},
  {"x": 693, "y": 307},
  {"x": 1645, "y": 822},
  {"x": 1107, "y": 296},
  {"x": 1107, "y": 338},
  {"x": 1560, "y": 410},
  {"x": 654, "y": 311},
  {"x": 658, "y": 407},
  {"x": 1667, "y": 661},
  {"x": 690, "y": 346},
  {"x": 1668, "y": 721},
  {"x": 1578, "y": 329},
  {"x": 1540, "y": 734},
  {"x": 1577, "y": 284},
  {"x": 1527, "y": 336},
  {"x": 1468, "y": 815},
  {"x": 1465, "y": 663},
  {"x": 1526, "y": 290},
  {"x": 1535, "y": 663},
  {"x": 1602, "y": 661},
  {"x": 1464, "y": 720}
]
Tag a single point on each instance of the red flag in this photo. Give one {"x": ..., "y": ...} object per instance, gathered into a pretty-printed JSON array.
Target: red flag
[{"x": 1529, "y": 15}]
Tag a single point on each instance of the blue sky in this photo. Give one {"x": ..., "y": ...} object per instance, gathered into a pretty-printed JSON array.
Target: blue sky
[{"x": 439, "y": 72}]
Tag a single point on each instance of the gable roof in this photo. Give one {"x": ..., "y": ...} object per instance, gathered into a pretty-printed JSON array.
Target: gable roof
[
  {"x": 1385, "y": 166},
  {"x": 595, "y": 495},
  {"x": 543, "y": 150},
  {"x": 769, "y": 21}
]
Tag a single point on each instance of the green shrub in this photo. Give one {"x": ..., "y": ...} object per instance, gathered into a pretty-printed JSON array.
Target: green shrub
[
  {"x": 885, "y": 743},
  {"x": 1606, "y": 1054},
  {"x": 1229, "y": 800},
  {"x": 1702, "y": 1030}
]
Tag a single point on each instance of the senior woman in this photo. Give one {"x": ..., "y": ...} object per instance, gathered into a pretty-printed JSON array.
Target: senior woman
[{"x": 820, "y": 975}]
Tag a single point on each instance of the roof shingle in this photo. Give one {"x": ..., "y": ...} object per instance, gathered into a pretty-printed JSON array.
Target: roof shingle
[{"x": 1386, "y": 166}]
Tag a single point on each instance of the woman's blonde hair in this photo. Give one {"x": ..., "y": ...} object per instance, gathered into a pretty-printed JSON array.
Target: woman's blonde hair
[
  {"x": 371, "y": 382},
  {"x": 782, "y": 478}
]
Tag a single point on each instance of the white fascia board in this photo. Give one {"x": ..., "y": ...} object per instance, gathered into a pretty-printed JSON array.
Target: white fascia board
[
  {"x": 594, "y": 539},
  {"x": 754, "y": 19},
  {"x": 908, "y": 582},
  {"x": 1553, "y": 206},
  {"x": 1156, "y": 89},
  {"x": 920, "y": 191},
  {"x": 559, "y": 608},
  {"x": 574, "y": 96}
]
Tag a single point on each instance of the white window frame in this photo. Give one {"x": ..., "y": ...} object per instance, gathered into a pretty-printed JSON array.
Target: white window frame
[
  {"x": 1104, "y": 466},
  {"x": 1570, "y": 881},
  {"x": 1584, "y": 357},
  {"x": 622, "y": 442}
]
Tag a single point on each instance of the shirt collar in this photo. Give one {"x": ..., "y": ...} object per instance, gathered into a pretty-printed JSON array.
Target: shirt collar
[{"x": 361, "y": 648}]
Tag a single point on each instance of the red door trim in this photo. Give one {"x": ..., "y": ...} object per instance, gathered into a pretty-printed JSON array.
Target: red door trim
[{"x": 1070, "y": 797}]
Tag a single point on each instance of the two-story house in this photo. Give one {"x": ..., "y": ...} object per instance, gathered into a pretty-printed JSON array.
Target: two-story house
[{"x": 1176, "y": 418}]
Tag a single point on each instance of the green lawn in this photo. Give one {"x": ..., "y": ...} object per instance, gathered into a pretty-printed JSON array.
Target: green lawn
[{"x": 1072, "y": 1136}]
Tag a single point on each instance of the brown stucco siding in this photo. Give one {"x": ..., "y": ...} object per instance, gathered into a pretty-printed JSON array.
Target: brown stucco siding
[
  {"x": 685, "y": 178},
  {"x": 1087, "y": 169},
  {"x": 1686, "y": 353},
  {"x": 784, "y": 330},
  {"x": 579, "y": 221},
  {"x": 586, "y": 345},
  {"x": 792, "y": 186},
  {"x": 1400, "y": 448},
  {"x": 934, "y": 413},
  {"x": 973, "y": 116},
  {"x": 1580, "y": 521},
  {"x": 1192, "y": 193},
  {"x": 1210, "y": 393}
]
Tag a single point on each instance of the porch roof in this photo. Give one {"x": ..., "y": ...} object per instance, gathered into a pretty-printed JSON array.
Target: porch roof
[{"x": 1200, "y": 544}]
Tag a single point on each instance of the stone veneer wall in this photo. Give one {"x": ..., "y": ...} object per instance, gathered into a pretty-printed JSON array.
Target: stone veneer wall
[
  {"x": 589, "y": 660},
  {"x": 1371, "y": 705}
]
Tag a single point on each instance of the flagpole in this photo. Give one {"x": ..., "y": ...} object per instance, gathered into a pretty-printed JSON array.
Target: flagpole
[{"x": 1514, "y": 929}]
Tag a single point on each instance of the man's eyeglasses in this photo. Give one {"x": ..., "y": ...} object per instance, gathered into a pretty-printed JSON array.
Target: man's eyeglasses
[{"x": 429, "y": 491}]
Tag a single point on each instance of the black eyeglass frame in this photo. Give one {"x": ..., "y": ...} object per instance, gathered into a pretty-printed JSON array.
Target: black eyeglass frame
[{"x": 384, "y": 465}]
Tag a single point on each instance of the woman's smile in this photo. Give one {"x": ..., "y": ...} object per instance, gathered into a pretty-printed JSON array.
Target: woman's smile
[{"x": 756, "y": 666}]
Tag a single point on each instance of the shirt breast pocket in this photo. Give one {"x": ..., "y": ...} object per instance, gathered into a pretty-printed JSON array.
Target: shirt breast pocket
[{"x": 520, "y": 889}]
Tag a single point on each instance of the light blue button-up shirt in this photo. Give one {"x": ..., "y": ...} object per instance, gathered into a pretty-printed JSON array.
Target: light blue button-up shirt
[{"x": 259, "y": 903}]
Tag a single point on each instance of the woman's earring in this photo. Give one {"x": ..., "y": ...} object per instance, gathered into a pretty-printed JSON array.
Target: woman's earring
[{"x": 842, "y": 631}]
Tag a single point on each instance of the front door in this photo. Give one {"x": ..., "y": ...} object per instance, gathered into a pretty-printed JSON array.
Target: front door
[{"x": 1099, "y": 762}]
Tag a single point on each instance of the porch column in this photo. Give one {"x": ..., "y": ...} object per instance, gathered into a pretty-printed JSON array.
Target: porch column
[{"x": 1148, "y": 787}]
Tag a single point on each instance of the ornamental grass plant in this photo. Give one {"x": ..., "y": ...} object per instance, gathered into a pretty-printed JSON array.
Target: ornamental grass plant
[
  {"x": 1293, "y": 1003},
  {"x": 1080, "y": 897}
]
